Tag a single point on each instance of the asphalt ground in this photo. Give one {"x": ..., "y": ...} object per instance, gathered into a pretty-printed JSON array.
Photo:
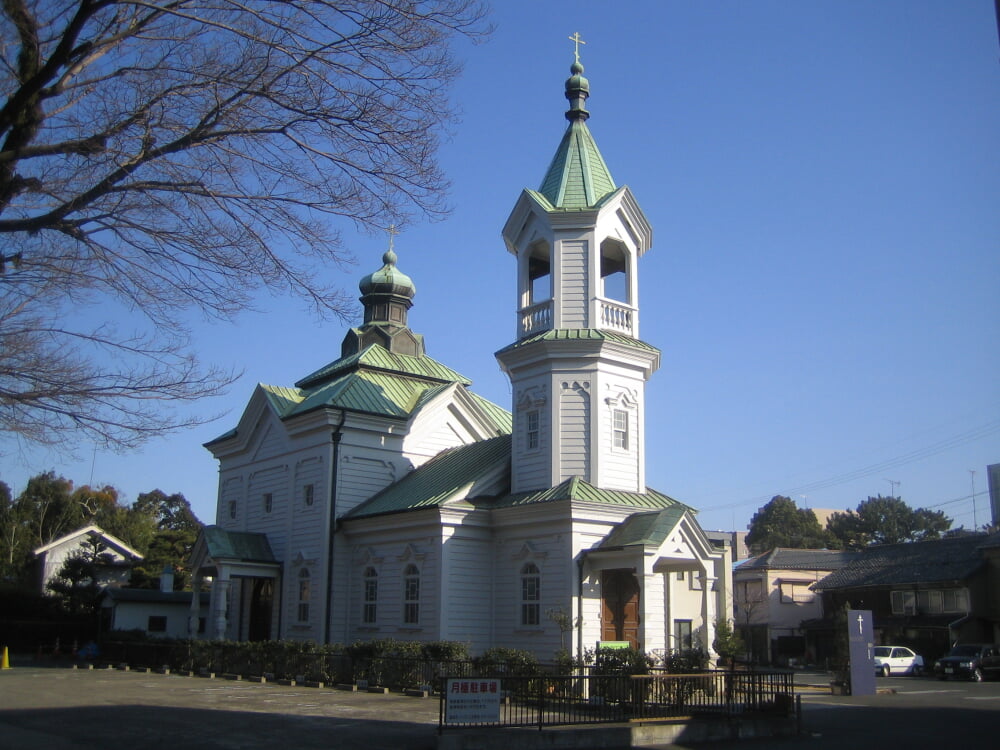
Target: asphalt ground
[{"x": 65, "y": 709}]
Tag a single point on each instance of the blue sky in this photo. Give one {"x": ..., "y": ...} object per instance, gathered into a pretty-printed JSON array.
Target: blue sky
[{"x": 823, "y": 181}]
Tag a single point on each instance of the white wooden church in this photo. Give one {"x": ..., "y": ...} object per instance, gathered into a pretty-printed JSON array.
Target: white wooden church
[{"x": 380, "y": 497}]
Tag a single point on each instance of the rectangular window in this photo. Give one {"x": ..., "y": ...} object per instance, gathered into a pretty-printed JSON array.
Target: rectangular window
[
  {"x": 232, "y": 509},
  {"x": 370, "y": 611},
  {"x": 694, "y": 582},
  {"x": 955, "y": 600},
  {"x": 929, "y": 602},
  {"x": 532, "y": 430},
  {"x": 268, "y": 502},
  {"x": 530, "y": 595},
  {"x": 682, "y": 635},
  {"x": 201, "y": 625},
  {"x": 621, "y": 429},
  {"x": 411, "y": 595},
  {"x": 305, "y": 592},
  {"x": 792, "y": 593},
  {"x": 903, "y": 602},
  {"x": 680, "y": 575},
  {"x": 309, "y": 494},
  {"x": 156, "y": 624}
]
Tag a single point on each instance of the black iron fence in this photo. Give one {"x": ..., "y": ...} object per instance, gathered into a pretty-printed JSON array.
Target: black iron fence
[{"x": 594, "y": 699}]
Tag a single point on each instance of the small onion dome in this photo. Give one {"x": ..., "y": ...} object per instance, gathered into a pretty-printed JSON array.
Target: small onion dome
[
  {"x": 577, "y": 91},
  {"x": 388, "y": 279}
]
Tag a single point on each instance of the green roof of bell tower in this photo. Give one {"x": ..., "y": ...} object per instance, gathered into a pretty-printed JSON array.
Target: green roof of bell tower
[{"x": 577, "y": 177}]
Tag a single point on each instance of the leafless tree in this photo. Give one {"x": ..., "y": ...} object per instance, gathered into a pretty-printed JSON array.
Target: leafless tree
[{"x": 169, "y": 157}]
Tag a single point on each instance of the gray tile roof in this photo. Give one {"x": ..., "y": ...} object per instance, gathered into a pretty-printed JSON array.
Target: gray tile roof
[
  {"x": 801, "y": 559},
  {"x": 939, "y": 560}
]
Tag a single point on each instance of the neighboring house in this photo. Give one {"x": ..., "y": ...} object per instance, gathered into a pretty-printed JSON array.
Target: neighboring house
[
  {"x": 118, "y": 558},
  {"x": 925, "y": 595},
  {"x": 380, "y": 497},
  {"x": 162, "y": 613},
  {"x": 772, "y": 596},
  {"x": 735, "y": 540}
]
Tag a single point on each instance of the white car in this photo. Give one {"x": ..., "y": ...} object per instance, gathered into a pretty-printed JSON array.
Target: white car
[{"x": 897, "y": 660}]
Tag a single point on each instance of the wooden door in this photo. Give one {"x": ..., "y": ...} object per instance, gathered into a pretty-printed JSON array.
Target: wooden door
[{"x": 620, "y": 607}]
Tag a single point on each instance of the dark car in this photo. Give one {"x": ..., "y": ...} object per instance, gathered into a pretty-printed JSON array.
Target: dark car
[{"x": 970, "y": 661}]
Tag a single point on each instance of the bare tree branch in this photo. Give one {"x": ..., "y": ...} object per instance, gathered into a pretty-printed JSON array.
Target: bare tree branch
[{"x": 185, "y": 155}]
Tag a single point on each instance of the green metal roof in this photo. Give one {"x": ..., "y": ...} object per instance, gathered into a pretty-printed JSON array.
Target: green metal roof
[
  {"x": 645, "y": 529},
  {"x": 374, "y": 381},
  {"x": 589, "y": 334},
  {"x": 379, "y": 358},
  {"x": 439, "y": 480},
  {"x": 578, "y": 490},
  {"x": 237, "y": 545},
  {"x": 577, "y": 177},
  {"x": 503, "y": 419}
]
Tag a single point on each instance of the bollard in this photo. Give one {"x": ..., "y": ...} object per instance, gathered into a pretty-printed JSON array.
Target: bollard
[{"x": 5, "y": 663}]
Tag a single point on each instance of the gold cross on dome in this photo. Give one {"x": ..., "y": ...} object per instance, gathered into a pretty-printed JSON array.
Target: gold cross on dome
[
  {"x": 577, "y": 41},
  {"x": 392, "y": 232}
]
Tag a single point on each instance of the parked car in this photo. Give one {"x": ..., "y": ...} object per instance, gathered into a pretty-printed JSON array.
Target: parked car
[
  {"x": 971, "y": 661},
  {"x": 897, "y": 660}
]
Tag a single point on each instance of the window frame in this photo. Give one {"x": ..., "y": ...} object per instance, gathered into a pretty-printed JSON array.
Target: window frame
[
  {"x": 304, "y": 596},
  {"x": 531, "y": 595},
  {"x": 369, "y": 599},
  {"x": 533, "y": 430},
  {"x": 411, "y": 595},
  {"x": 620, "y": 424}
]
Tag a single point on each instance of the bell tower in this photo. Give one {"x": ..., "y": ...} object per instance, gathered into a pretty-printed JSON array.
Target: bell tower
[{"x": 578, "y": 368}]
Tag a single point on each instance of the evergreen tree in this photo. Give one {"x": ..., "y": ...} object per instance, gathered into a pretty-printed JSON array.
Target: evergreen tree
[
  {"x": 887, "y": 520},
  {"x": 781, "y": 523}
]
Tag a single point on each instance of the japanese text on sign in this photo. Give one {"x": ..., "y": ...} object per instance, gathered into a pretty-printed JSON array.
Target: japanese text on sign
[{"x": 472, "y": 701}]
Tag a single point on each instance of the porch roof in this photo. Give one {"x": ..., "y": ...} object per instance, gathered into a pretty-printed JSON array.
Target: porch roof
[{"x": 644, "y": 529}]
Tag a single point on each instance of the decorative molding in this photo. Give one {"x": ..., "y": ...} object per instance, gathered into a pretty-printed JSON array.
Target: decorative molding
[
  {"x": 625, "y": 397},
  {"x": 533, "y": 397},
  {"x": 528, "y": 550},
  {"x": 367, "y": 556},
  {"x": 277, "y": 469},
  {"x": 300, "y": 560},
  {"x": 412, "y": 552},
  {"x": 576, "y": 385}
]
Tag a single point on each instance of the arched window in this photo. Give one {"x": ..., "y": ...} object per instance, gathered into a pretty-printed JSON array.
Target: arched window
[
  {"x": 370, "y": 612},
  {"x": 614, "y": 272},
  {"x": 539, "y": 274},
  {"x": 304, "y": 595},
  {"x": 530, "y": 594},
  {"x": 411, "y": 595}
]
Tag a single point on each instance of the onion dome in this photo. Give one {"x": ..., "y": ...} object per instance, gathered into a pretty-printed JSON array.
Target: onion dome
[{"x": 388, "y": 279}]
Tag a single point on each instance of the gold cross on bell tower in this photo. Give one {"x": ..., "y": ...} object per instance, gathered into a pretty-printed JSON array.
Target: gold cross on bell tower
[
  {"x": 392, "y": 232},
  {"x": 577, "y": 41}
]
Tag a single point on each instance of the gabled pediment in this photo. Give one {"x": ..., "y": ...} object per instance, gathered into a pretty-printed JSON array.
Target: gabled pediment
[{"x": 263, "y": 411}]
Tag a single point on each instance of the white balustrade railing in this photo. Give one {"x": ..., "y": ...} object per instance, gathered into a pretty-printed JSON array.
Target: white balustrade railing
[
  {"x": 614, "y": 316},
  {"x": 536, "y": 318},
  {"x": 617, "y": 317}
]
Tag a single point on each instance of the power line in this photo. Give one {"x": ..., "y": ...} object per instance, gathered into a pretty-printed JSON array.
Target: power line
[{"x": 955, "y": 441}]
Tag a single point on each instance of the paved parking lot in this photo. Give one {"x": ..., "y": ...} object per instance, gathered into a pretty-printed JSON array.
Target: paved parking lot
[{"x": 64, "y": 709}]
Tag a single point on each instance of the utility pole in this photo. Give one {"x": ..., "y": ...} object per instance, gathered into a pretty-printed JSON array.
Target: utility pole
[
  {"x": 893, "y": 484},
  {"x": 975, "y": 519}
]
